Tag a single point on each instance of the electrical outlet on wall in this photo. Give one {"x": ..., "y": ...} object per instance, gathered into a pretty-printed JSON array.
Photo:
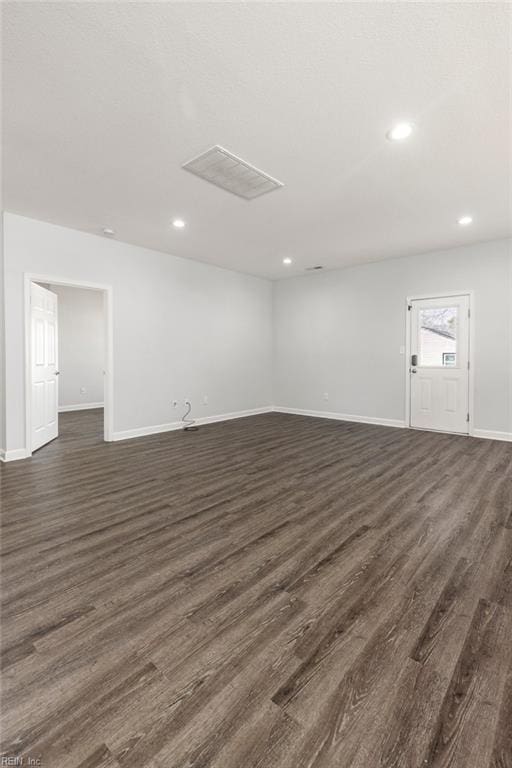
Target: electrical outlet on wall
[
  {"x": 326, "y": 395},
  {"x": 83, "y": 390},
  {"x": 205, "y": 399}
]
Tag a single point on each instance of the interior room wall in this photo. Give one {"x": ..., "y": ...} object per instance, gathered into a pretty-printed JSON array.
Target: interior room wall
[
  {"x": 81, "y": 346},
  {"x": 339, "y": 333},
  {"x": 182, "y": 329},
  {"x": 2, "y": 344}
]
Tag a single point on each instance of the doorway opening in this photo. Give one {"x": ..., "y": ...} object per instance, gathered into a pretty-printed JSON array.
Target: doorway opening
[
  {"x": 439, "y": 369},
  {"x": 68, "y": 360}
]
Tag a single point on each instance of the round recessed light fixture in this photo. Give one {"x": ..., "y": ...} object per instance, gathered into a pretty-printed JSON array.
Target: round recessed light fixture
[
  {"x": 287, "y": 260},
  {"x": 400, "y": 131},
  {"x": 108, "y": 232},
  {"x": 178, "y": 223},
  {"x": 465, "y": 220}
]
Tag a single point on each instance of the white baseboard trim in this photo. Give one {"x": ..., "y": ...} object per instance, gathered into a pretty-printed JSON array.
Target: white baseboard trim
[
  {"x": 234, "y": 415},
  {"x": 342, "y": 417},
  {"x": 175, "y": 425},
  {"x": 489, "y": 434},
  {"x": 14, "y": 455},
  {"x": 79, "y": 407},
  {"x": 128, "y": 434},
  {"x": 21, "y": 453}
]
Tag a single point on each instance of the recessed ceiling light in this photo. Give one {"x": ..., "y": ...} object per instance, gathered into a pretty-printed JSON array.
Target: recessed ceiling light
[
  {"x": 287, "y": 260},
  {"x": 178, "y": 223},
  {"x": 465, "y": 220},
  {"x": 108, "y": 232},
  {"x": 400, "y": 131}
]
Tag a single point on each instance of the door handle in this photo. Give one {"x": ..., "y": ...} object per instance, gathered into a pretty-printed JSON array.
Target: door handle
[
  {"x": 414, "y": 360},
  {"x": 413, "y": 370}
]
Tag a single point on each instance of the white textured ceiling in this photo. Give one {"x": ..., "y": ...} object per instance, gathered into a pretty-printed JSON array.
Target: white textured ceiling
[{"x": 103, "y": 102}]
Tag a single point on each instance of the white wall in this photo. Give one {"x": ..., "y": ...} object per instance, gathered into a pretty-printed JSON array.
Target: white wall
[
  {"x": 181, "y": 328},
  {"x": 81, "y": 345},
  {"x": 2, "y": 344},
  {"x": 186, "y": 329},
  {"x": 340, "y": 332}
]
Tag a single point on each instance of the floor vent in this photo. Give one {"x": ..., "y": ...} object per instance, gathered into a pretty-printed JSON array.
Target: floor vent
[
  {"x": 310, "y": 269},
  {"x": 229, "y": 172}
]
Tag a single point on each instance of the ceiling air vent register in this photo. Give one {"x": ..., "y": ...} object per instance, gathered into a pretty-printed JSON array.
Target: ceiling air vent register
[{"x": 229, "y": 172}]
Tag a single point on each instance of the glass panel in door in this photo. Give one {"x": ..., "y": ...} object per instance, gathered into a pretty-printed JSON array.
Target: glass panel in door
[{"x": 437, "y": 337}]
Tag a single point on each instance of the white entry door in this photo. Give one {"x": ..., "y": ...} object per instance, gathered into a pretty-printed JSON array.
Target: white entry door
[
  {"x": 439, "y": 364},
  {"x": 44, "y": 358}
]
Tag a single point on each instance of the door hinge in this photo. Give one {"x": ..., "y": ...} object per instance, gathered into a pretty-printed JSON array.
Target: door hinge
[
  {"x": 468, "y": 365},
  {"x": 467, "y": 417},
  {"x": 469, "y": 312}
]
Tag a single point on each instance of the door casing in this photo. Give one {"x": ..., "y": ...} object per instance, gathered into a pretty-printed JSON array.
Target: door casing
[
  {"x": 108, "y": 424},
  {"x": 442, "y": 295}
]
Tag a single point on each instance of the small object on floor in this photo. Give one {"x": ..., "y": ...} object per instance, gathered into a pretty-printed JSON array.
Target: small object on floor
[{"x": 190, "y": 425}]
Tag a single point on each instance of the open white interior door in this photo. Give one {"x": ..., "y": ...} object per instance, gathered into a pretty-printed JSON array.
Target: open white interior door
[
  {"x": 44, "y": 360},
  {"x": 439, "y": 365}
]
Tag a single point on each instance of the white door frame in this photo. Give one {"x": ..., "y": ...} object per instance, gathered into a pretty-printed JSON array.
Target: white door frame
[
  {"x": 29, "y": 277},
  {"x": 471, "y": 358}
]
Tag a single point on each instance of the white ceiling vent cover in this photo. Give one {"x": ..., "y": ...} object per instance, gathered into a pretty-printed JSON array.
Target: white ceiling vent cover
[{"x": 231, "y": 173}]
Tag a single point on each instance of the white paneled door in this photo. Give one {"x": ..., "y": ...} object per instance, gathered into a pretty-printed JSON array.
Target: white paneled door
[
  {"x": 439, "y": 364},
  {"x": 44, "y": 360}
]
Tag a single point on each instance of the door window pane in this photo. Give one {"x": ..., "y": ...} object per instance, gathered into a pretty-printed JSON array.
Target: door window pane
[{"x": 438, "y": 337}]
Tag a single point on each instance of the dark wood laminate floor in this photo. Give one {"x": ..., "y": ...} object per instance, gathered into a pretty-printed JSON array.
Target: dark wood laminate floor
[{"x": 272, "y": 592}]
